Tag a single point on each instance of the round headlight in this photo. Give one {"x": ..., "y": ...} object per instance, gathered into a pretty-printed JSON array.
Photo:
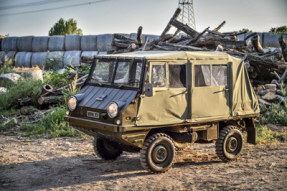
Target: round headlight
[
  {"x": 72, "y": 103},
  {"x": 113, "y": 110}
]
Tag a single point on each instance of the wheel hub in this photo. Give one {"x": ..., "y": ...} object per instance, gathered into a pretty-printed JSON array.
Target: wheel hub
[
  {"x": 159, "y": 154},
  {"x": 231, "y": 144}
]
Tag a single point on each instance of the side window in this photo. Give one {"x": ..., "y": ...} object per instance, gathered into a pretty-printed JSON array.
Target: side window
[
  {"x": 202, "y": 75},
  {"x": 177, "y": 76},
  {"x": 158, "y": 75},
  {"x": 219, "y": 75}
]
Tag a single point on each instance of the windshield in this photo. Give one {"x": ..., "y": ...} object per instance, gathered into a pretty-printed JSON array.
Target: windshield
[{"x": 127, "y": 73}]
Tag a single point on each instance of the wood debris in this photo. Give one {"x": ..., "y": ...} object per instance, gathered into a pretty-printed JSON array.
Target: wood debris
[{"x": 262, "y": 65}]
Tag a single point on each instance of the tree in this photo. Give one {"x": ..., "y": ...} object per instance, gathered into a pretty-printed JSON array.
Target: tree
[
  {"x": 279, "y": 30},
  {"x": 63, "y": 27},
  {"x": 245, "y": 30}
]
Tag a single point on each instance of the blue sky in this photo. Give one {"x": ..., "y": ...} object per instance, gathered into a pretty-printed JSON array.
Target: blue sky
[{"x": 125, "y": 16}]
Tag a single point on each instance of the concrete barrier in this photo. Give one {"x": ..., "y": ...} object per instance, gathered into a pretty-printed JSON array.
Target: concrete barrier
[
  {"x": 24, "y": 44},
  {"x": 73, "y": 42},
  {"x": 23, "y": 59},
  {"x": 56, "y": 43},
  {"x": 72, "y": 58},
  {"x": 40, "y": 44}
]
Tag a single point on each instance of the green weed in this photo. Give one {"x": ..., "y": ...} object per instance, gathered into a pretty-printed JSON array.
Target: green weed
[
  {"x": 52, "y": 125},
  {"x": 24, "y": 88}
]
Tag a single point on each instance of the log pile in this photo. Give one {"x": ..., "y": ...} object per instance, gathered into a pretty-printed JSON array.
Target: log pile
[
  {"x": 270, "y": 97},
  {"x": 261, "y": 64}
]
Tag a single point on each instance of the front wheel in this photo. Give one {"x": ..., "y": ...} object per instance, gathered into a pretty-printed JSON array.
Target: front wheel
[
  {"x": 229, "y": 144},
  {"x": 105, "y": 150},
  {"x": 158, "y": 153}
]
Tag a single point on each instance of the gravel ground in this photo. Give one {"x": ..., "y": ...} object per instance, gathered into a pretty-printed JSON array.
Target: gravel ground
[{"x": 70, "y": 164}]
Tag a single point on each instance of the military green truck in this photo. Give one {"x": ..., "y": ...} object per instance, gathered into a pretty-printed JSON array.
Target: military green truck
[{"x": 158, "y": 102}]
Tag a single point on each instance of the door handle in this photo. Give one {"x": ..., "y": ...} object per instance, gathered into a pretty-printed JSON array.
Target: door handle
[{"x": 226, "y": 89}]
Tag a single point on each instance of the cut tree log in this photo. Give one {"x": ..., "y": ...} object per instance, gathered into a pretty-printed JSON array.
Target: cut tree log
[
  {"x": 119, "y": 36},
  {"x": 263, "y": 92},
  {"x": 264, "y": 102},
  {"x": 174, "y": 35},
  {"x": 139, "y": 36},
  {"x": 50, "y": 100},
  {"x": 219, "y": 48},
  {"x": 281, "y": 98},
  {"x": 250, "y": 35},
  {"x": 270, "y": 96},
  {"x": 191, "y": 48},
  {"x": 45, "y": 91},
  {"x": 283, "y": 77},
  {"x": 185, "y": 28},
  {"x": 271, "y": 87},
  {"x": 219, "y": 27},
  {"x": 283, "y": 47},
  {"x": 169, "y": 25},
  {"x": 197, "y": 37},
  {"x": 255, "y": 40},
  {"x": 26, "y": 110}
]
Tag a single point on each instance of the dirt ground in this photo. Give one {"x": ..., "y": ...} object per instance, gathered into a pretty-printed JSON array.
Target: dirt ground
[{"x": 70, "y": 164}]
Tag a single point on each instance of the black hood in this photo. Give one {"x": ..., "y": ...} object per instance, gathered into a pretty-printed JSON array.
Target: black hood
[{"x": 99, "y": 97}]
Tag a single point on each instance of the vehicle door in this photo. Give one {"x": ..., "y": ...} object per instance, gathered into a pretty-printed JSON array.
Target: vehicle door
[
  {"x": 210, "y": 90},
  {"x": 168, "y": 105}
]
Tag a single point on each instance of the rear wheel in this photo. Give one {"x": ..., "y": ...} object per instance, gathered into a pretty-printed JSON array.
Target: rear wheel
[
  {"x": 105, "y": 150},
  {"x": 158, "y": 153},
  {"x": 229, "y": 144}
]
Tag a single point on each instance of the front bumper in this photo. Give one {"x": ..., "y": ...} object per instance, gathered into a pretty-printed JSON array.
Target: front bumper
[
  {"x": 90, "y": 124},
  {"x": 118, "y": 134}
]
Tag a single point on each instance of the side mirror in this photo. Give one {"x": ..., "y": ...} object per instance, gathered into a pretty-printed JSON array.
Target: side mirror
[{"x": 148, "y": 90}]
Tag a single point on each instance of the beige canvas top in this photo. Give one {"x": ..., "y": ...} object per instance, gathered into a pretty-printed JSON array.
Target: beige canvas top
[
  {"x": 170, "y": 55},
  {"x": 201, "y": 104}
]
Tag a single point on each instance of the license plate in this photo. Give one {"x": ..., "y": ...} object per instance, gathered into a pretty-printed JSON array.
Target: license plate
[{"x": 93, "y": 114}]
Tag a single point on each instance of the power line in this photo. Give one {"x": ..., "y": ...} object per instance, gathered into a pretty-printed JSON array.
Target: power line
[
  {"x": 31, "y": 4},
  {"x": 80, "y": 4}
]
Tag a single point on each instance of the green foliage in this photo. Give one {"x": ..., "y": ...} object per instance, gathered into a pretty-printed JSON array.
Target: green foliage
[
  {"x": 24, "y": 88},
  {"x": 56, "y": 79},
  {"x": 6, "y": 68},
  {"x": 245, "y": 30},
  {"x": 265, "y": 135},
  {"x": 52, "y": 125},
  {"x": 63, "y": 27},
  {"x": 73, "y": 90},
  {"x": 53, "y": 63},
  {"x": 7, "y": 35},
  {"x": 84, "y": 69},
  {"x": 279, "y": 30}
]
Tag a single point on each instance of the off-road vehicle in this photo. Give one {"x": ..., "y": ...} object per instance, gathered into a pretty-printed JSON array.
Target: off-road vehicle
[{"x": 156, "y": 103}]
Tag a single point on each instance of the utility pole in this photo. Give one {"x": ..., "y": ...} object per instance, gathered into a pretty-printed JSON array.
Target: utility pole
[{"x": 187, "y": 13}]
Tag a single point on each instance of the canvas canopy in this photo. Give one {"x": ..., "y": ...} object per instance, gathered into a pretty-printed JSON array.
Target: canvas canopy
[{"x": 214, "y": 86}]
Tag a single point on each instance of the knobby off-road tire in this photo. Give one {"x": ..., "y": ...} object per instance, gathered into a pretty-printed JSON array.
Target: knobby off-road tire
[
  {"x": 105, "y": 150},
  {"x": 158, "y": 153},
  {"x": 180, "y": 146},
  {"x": 229, "y": 144}
]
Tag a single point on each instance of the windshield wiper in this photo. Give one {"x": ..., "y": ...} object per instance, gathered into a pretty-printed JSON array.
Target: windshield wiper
[{"x": 97, "y": 81}]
